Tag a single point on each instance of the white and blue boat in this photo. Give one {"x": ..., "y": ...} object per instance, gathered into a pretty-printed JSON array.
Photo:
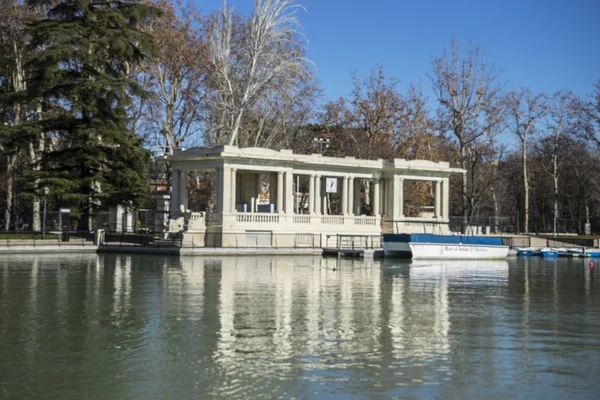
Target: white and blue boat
[
  {"x": 548, "y": 252},
  {"x": 526, "y": 252},
  {"x": 593, "y": 253},
  {"x": 421, "y": 246}
]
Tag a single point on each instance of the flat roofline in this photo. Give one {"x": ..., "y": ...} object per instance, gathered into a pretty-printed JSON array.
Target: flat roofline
[{"x": 287, "y": 156}]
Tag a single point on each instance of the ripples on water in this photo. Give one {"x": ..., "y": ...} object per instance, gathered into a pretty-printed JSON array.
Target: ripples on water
[{"x": 104, "y": 327}]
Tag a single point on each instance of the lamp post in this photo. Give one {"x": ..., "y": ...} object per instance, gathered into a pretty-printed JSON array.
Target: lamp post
[
  {"x": 322, "y": 142},
  {"x": 46, "y": 191}
]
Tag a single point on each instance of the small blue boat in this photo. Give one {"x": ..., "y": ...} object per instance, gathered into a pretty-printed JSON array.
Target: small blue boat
[
  {"x": 548, "y": 252},
  {"x": 526, "y": 252},
  {"x": 595, "y": 253}
]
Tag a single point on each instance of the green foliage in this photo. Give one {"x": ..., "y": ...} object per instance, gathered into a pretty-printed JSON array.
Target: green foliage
[{"x": 84, "y": 52}]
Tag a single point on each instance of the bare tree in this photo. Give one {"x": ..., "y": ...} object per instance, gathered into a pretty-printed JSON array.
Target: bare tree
[
  {"x": 417, "y": 138},
  {"x": 250, "y": 59},
  {"x": 277, "y": 120},
  {"x": 471, "y": 107},
  {"x": 562, "y": 112},
  {"x": 526, "y": 109},
  {"x": 175, "y": 78},
  {"x": 589, "y": 117},
  {"x": 377, "y": 107}
]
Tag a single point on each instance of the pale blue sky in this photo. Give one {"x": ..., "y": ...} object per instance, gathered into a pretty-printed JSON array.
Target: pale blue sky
[{"x": 545, "y": 45}]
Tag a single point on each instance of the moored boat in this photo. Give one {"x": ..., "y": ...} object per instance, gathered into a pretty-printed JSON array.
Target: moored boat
[
  {"x": 449, "y": 247},
  {"x": 526, "y": 251},
  {"x": 593, "y": 253},
  {"x": 549, "y": 252}
]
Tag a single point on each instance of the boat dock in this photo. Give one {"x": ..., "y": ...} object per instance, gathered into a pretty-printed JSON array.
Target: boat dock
[{"x": 359, "y": 246}]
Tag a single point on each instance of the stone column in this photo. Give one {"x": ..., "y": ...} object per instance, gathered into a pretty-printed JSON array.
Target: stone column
[
  {"x": 446, "y": 198},
  {"x": 223, "y": 188},
  {"x": 311, "y": 195},
  {"x": 220, "y": 201},
  {"x": 396, "y": 198},
  {"x": 174, "y": 206},
  {"x": 183, "y": 190},
  {"x": 318, "y": 194},
  {"x": 351, "y": 195},
  {"x": 280, "y": 192},
  {"x": 383, "y": 201},
  {"x": 345, "y": 196},
  {"x": 289, "y": 192},
  {"x": 356, "y": 203},
  {"x": 401, "y": 196},
  {"x": 438, "y": 199},
  {"x": 390, "y": 196},
  {"x": 376, "y": 189},
  {"x": 233, "y": 192}
]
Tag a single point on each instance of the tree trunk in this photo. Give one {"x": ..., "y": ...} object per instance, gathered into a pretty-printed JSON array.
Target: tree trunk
[
  {"x": 525, "y": 184},
  {"x": 35, "y": 155},
  {"x": 555, "y": 178},
  {"x": 236, "y": 127},
  {"x": 465, "y": 199},
  {"x": 496, "y": 210},
  {"x": 10, "y": 167}
]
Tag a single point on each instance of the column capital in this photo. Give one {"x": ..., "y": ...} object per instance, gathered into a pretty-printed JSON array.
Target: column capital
[
  {"x": 312, "y": 176},
  {"x": 280, "y": 173}
]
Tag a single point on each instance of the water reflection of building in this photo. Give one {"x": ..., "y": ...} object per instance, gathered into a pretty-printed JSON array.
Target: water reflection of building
[
  {"x": 245, "y": 317},
  {"x": 317, "y": 306}
]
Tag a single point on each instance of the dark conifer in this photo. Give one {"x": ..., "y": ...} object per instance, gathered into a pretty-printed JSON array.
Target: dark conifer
[{"x": 84, "y": 53}]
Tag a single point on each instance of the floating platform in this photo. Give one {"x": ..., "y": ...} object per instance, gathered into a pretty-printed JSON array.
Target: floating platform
[{"x": 356, "y": 253}]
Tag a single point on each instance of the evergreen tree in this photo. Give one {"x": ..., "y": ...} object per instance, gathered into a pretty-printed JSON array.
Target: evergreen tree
[{"x": 84, "y": 52}]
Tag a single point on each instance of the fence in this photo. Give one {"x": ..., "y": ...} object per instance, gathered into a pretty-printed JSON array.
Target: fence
[
  {"x": 354, "y": 242},
  {"x": 497, "y": 225},
  {"x": 31, "y": 238},
  {"x": 256, "y": 239},
  {"x": 540, "y": 241}
]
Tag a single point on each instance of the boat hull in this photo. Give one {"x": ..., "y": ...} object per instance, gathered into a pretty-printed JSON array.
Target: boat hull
[
  {"x": 432, "y": 251},
  {"x": 526, "y": 253},
  {"x": 397, "y": 249},
  {"x": 444, "y": 247},
  {"x": 550, "y": 254}
]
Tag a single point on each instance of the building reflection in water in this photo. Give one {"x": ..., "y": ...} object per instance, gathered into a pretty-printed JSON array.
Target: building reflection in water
[
  {"x": 319, "y": 307},
  {"x": 249, "y": 317}
]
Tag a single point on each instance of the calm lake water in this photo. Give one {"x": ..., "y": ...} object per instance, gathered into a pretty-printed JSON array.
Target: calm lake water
[{"x": 153, "y": 327}]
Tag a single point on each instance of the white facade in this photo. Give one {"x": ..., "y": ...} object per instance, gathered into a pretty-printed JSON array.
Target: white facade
[{"x": 238, "y": 218}]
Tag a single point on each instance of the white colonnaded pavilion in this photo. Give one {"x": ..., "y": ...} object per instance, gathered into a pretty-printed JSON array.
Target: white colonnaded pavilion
[{"x": 239, "y": 217}]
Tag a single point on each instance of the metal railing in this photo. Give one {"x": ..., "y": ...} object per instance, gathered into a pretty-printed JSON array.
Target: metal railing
[
  {"x": 354, "y": 242},
  {"x": 52, "y": 238},
  {"x": 497, "y": 225},
  {"x": 257, "y": 239}
]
